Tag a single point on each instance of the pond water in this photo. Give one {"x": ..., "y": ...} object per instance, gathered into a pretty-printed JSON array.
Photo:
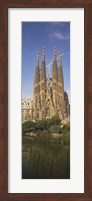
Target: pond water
[{"x": 45, "y": 158}]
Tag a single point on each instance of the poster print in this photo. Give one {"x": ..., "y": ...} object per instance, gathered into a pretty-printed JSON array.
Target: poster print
[{"x": 45, "y": 100}]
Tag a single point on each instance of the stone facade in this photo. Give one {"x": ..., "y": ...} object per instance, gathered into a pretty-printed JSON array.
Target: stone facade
[
  {"x": 26, "y": 109},
  {"x": 49, "y": 98}
]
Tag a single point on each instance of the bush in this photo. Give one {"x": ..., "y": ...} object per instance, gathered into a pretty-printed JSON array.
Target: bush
[
  {"x": 46, "y": 124},
  {"x": 55, "y": 120},
  {"x": 55, "y": 129},
  {"x": 66, "y": 128},
  {"x": 41, "y": 124},
  {"x": 28, "y": 124}
]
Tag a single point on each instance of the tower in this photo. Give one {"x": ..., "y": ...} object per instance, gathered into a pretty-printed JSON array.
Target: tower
[
  {"x": 54, "y": 79},
  {"x": 61, "y": 102},
  {"x": 36, "y": 102},
  {"x": 67, "y": 106},
  {"x": 43, "y": 79},
  {"x": 49, "y": 99}
]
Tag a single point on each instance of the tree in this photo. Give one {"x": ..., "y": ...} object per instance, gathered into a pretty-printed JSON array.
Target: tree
[{"x": 28, "y": 124}]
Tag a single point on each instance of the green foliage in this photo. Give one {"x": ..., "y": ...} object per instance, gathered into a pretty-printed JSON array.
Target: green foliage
[
  {"x": 44, "y": 156},
  {"x": 66, "y": 128},
  {"x": 28, "y": 124},
  {"x": 55, "y": 129},
  {"x": 55, "y": 120},
  {"x": 47, "y": 126},
  {"x": 42, "y": 124}
]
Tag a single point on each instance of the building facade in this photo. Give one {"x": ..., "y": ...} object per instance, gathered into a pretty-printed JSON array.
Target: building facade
[
  {"x": 49, "y": 98},
  {"x": 26, "y": 109}
]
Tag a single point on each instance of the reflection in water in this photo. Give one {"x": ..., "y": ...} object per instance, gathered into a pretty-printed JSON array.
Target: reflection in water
[{"x": 45, "y": 159}]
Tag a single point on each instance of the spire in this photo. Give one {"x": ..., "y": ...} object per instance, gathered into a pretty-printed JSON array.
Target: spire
[
  {"x": 43, "y": 67},
  {"x": 60, "y": 71},
  {"x": 37, "y": 59},
  {"x": 60, "y": 63},
  {"x": 36, "y": 82},
  {"x": 54, "y": 54},
  {"x": 54, "y": 69},
  {"x": 43, "y": 54},
  {"x": 60, "y": 60},
  {"x": 37, "y": 73},
  {"x": 60, "y": 57},
  {"x": 43, "y": 78}
]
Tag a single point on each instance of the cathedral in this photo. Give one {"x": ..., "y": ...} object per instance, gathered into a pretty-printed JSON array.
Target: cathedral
[{"x": 49, "y": 98}]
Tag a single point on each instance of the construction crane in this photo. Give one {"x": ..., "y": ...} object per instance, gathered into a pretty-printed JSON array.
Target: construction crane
[{"x": 48, "y": 66}]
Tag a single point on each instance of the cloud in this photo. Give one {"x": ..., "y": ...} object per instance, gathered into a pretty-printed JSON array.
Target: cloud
[
  {"x": 60, "y": 24},
  {"x": 61, "y": 36},
  {"x": 58, "y": 35},
  {"x": 55, "y": 23}
]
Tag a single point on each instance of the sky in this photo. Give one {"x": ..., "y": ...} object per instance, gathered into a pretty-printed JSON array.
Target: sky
[{"x": 48, "y": 34}]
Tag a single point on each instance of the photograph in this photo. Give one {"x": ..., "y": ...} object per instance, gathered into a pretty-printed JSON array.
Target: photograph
[
  {"x": 45, "y": 100},
  {"x": 46, "y": 104}
]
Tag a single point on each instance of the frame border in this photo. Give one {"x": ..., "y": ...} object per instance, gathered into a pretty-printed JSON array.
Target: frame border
[{"x": 87, "y": 5}]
